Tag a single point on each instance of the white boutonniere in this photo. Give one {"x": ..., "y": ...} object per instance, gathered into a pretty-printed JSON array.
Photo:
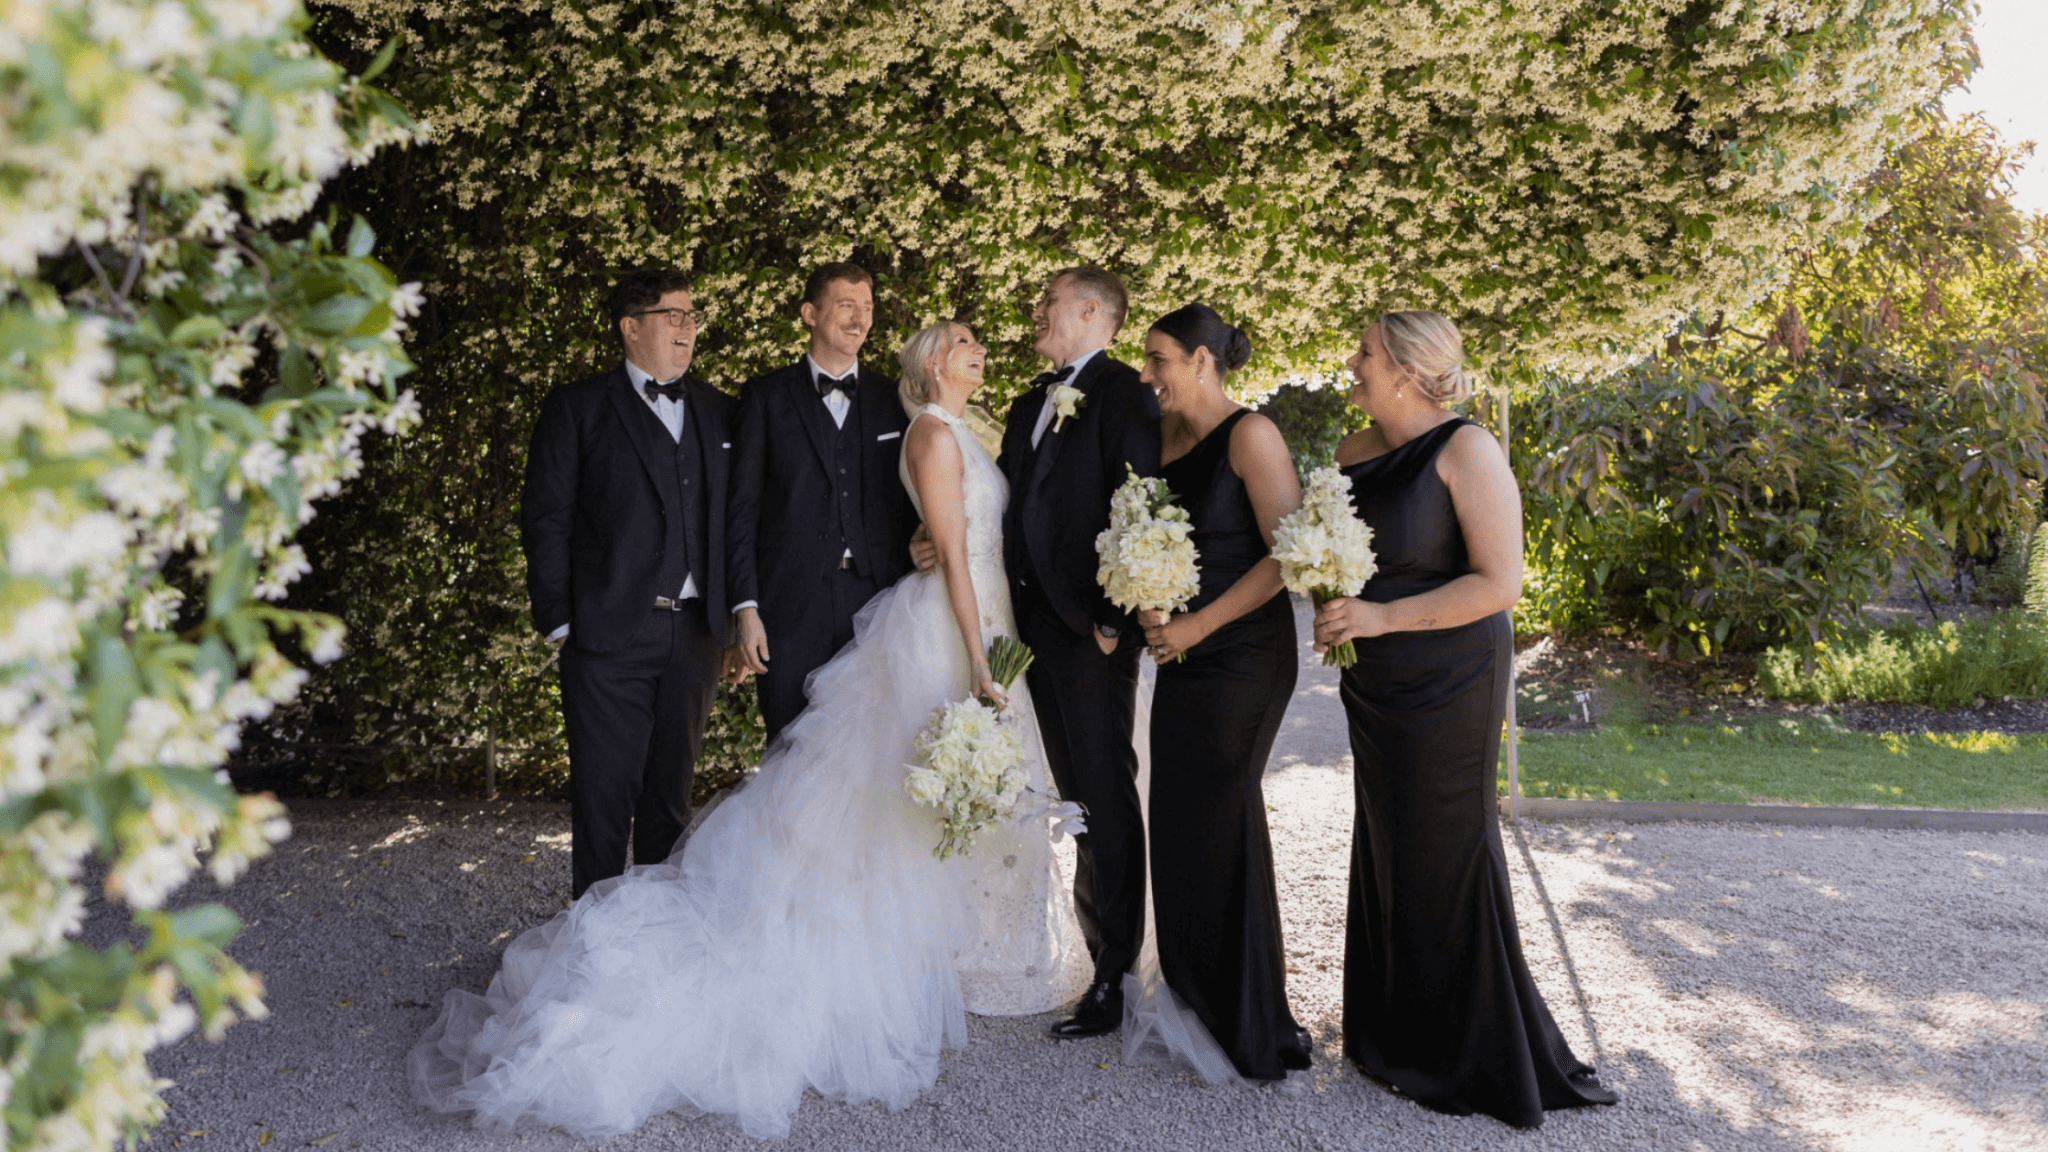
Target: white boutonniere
[{"x": 1066, "y": 400}]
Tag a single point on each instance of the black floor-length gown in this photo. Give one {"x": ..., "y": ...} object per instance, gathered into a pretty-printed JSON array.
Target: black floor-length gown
[
  {"x": 1437, "y": 996},
  {"x": 1216, "y": 912}
]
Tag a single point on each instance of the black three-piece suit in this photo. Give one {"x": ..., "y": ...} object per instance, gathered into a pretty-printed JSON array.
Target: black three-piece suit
[
  {"x": 1059, "y": 503},
  {"x": 819, "y": 519},
  {"x": 617, "y": 516}
]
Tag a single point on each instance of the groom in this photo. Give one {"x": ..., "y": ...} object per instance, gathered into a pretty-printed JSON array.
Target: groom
[
  {"x": 1085, "y": 677},
  {"x": 623, "y": 524},
  {"x": 820, "y": 520}
]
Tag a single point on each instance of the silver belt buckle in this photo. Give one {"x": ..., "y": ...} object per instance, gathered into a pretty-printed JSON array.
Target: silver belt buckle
[
  {"x": 664, "y": 604},
  {"x": 845, "y": 561}
]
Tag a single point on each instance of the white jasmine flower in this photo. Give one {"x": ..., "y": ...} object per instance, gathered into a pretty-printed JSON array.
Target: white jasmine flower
[
  {"x": 261, "y": 463},
  {"x": 327, "y": 645}
]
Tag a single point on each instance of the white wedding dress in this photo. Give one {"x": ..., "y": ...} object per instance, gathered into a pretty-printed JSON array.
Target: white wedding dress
[{"x": 803, "y": 937}]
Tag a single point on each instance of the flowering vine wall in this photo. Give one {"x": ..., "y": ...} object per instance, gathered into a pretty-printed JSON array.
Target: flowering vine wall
[{"x": 1564, "y": 178}]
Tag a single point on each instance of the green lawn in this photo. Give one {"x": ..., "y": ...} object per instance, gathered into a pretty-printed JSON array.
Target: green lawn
[{"x": 1787, "y": 762}]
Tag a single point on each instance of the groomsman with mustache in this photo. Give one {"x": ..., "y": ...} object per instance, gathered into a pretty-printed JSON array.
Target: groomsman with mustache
[{"x": 820, "y": 521}]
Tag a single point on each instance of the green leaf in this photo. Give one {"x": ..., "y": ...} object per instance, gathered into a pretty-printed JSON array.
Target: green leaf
[
  {"x": 213, "y": 923},
  {"x": 295, "y": 376},
  {"x": 336, "y": 315},
  {"x": 384, "y": 57},
  {"x": 361, "y": 239},
  {"x": 197, "y": 329},
  {"x": 115, "y": 687}
]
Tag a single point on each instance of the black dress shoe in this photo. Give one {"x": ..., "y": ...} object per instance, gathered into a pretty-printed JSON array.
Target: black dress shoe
[{"x": 1100, "y": 1011}]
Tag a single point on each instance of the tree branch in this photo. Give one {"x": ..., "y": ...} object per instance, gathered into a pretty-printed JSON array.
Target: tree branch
[{"x": 141, "y": 242}]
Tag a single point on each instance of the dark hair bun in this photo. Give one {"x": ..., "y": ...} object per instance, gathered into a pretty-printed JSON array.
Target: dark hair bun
[
  {"x": 1236, "y": 350},
  {"x": 1195, "y": 326}
]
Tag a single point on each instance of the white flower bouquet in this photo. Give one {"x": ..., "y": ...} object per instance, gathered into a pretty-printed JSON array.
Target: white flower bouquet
[
  {"x": 1147, "y": 553},
  {"x": 1325, "y": 550},
  {"x": 973, "y": 769}
]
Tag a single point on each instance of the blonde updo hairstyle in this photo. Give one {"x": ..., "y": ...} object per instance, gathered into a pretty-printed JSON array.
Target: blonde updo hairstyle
[
  {"x": 1427, "y": 348},
  {"x": 917, "y": 384}
]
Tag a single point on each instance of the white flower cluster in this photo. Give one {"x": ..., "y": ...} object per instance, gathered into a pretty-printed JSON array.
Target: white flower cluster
[
  {"x": 130, "y": 452},
  {"x": 1146, "y": 557},
  {"x": 973, "y": 771},
  {"x": 1324, "y": 549}
]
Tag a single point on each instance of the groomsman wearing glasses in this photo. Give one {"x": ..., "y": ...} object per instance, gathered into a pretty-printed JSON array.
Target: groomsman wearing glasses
[
  {"x": 623, "y": 524},
  {"x": 820, "y": 521}
]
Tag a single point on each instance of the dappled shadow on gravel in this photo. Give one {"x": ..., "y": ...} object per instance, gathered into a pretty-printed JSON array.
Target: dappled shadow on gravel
[
  {"x": 1847, "y": 989},
  {"x": 1743, "y": 988}
]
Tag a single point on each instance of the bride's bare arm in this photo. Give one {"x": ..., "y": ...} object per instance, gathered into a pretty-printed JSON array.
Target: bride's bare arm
[{"x": 940, "y": 475}]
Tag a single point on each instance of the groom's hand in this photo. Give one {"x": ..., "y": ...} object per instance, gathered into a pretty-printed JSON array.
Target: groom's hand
[
  {"x": 923, "y": 552},
  {"x": 750, "y": 646}
]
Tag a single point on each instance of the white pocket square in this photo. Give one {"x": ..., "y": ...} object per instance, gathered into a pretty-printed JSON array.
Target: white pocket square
[{"x": 888, "y": 436}]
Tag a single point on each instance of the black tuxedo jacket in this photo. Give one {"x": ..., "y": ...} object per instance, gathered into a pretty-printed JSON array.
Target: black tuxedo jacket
[
  {"x": 1059, "y": 491},
  {"x": 600, "y": 473},
  {"x": 783, "y": 513}
]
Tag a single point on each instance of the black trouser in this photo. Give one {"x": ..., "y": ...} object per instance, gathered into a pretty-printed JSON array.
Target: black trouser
[
  {"x": 1086, "y": 704},
  {"x": 635, "y": 720},
  {"x": 801, "y": 637}
]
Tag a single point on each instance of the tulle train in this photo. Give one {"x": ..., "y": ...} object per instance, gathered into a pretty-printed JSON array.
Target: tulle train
[{"x": 803, "y": 936}]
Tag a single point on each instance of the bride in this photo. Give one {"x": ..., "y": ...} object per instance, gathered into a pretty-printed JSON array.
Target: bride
[{"x": 803, "y": 937}]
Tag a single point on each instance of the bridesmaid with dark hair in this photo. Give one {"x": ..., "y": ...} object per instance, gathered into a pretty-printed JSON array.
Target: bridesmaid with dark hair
[
  {"x": 1217, "y": 708},
  {"x": 1437, "y": 996}
]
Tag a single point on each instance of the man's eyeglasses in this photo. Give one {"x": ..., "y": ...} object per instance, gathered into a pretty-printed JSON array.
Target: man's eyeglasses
[{"x": 677, "y": 317}]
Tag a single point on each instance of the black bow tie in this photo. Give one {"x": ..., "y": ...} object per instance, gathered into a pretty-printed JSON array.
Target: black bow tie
[
  {"x": 844, "y": 383},
  {"x": 673, "y": 389},
  {"x": 1052, "y": 377}
]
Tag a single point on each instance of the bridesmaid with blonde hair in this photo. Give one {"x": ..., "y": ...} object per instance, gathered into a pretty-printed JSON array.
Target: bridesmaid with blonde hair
[{"x": 1437, "y": 997}]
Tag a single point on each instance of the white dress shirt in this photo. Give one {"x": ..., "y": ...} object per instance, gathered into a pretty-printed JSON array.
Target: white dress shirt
[
  {"x": 1046, "y": 412},
  {"x": 836, "y": 402}
]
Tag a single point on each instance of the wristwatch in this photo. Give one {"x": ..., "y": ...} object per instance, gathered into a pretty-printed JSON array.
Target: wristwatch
[{"x": 1108, "y": 633}]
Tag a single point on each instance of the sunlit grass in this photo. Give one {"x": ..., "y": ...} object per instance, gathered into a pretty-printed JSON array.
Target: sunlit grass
[{"x": 1787, "y": 761}]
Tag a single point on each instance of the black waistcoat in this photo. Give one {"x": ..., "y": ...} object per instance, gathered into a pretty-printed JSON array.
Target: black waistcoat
[
  {"x": 684, "y": 520},
  {"x": 846, "y": 470}
]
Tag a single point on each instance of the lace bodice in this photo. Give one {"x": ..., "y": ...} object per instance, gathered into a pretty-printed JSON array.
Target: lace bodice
[{"x": 985, "y": 491}]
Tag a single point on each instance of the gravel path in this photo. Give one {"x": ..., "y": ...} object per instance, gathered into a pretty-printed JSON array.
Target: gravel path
[{"x": 1742, "y": 987}]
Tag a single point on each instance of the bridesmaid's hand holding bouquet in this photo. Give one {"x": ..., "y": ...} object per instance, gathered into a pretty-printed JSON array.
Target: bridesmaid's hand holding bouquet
[
  {"x": 1148, "y": 559},
  {"x": 1325, "y": 550}
]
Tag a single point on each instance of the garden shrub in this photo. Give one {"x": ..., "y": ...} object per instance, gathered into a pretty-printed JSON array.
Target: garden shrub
[
  {"x": 1949, "y": 665},
  {"x": 1756, "y": 483}
]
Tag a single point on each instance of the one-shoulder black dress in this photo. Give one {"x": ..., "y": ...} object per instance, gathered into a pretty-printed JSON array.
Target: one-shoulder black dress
[
  {"x": 1437, "y": 996},
  {"x": 1214, "y": 716}
]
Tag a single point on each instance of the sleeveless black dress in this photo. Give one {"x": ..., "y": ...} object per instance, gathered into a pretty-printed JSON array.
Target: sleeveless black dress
[
  {"x": 1437, "y": 996},
  {"x": 1214, "y": 716}
]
